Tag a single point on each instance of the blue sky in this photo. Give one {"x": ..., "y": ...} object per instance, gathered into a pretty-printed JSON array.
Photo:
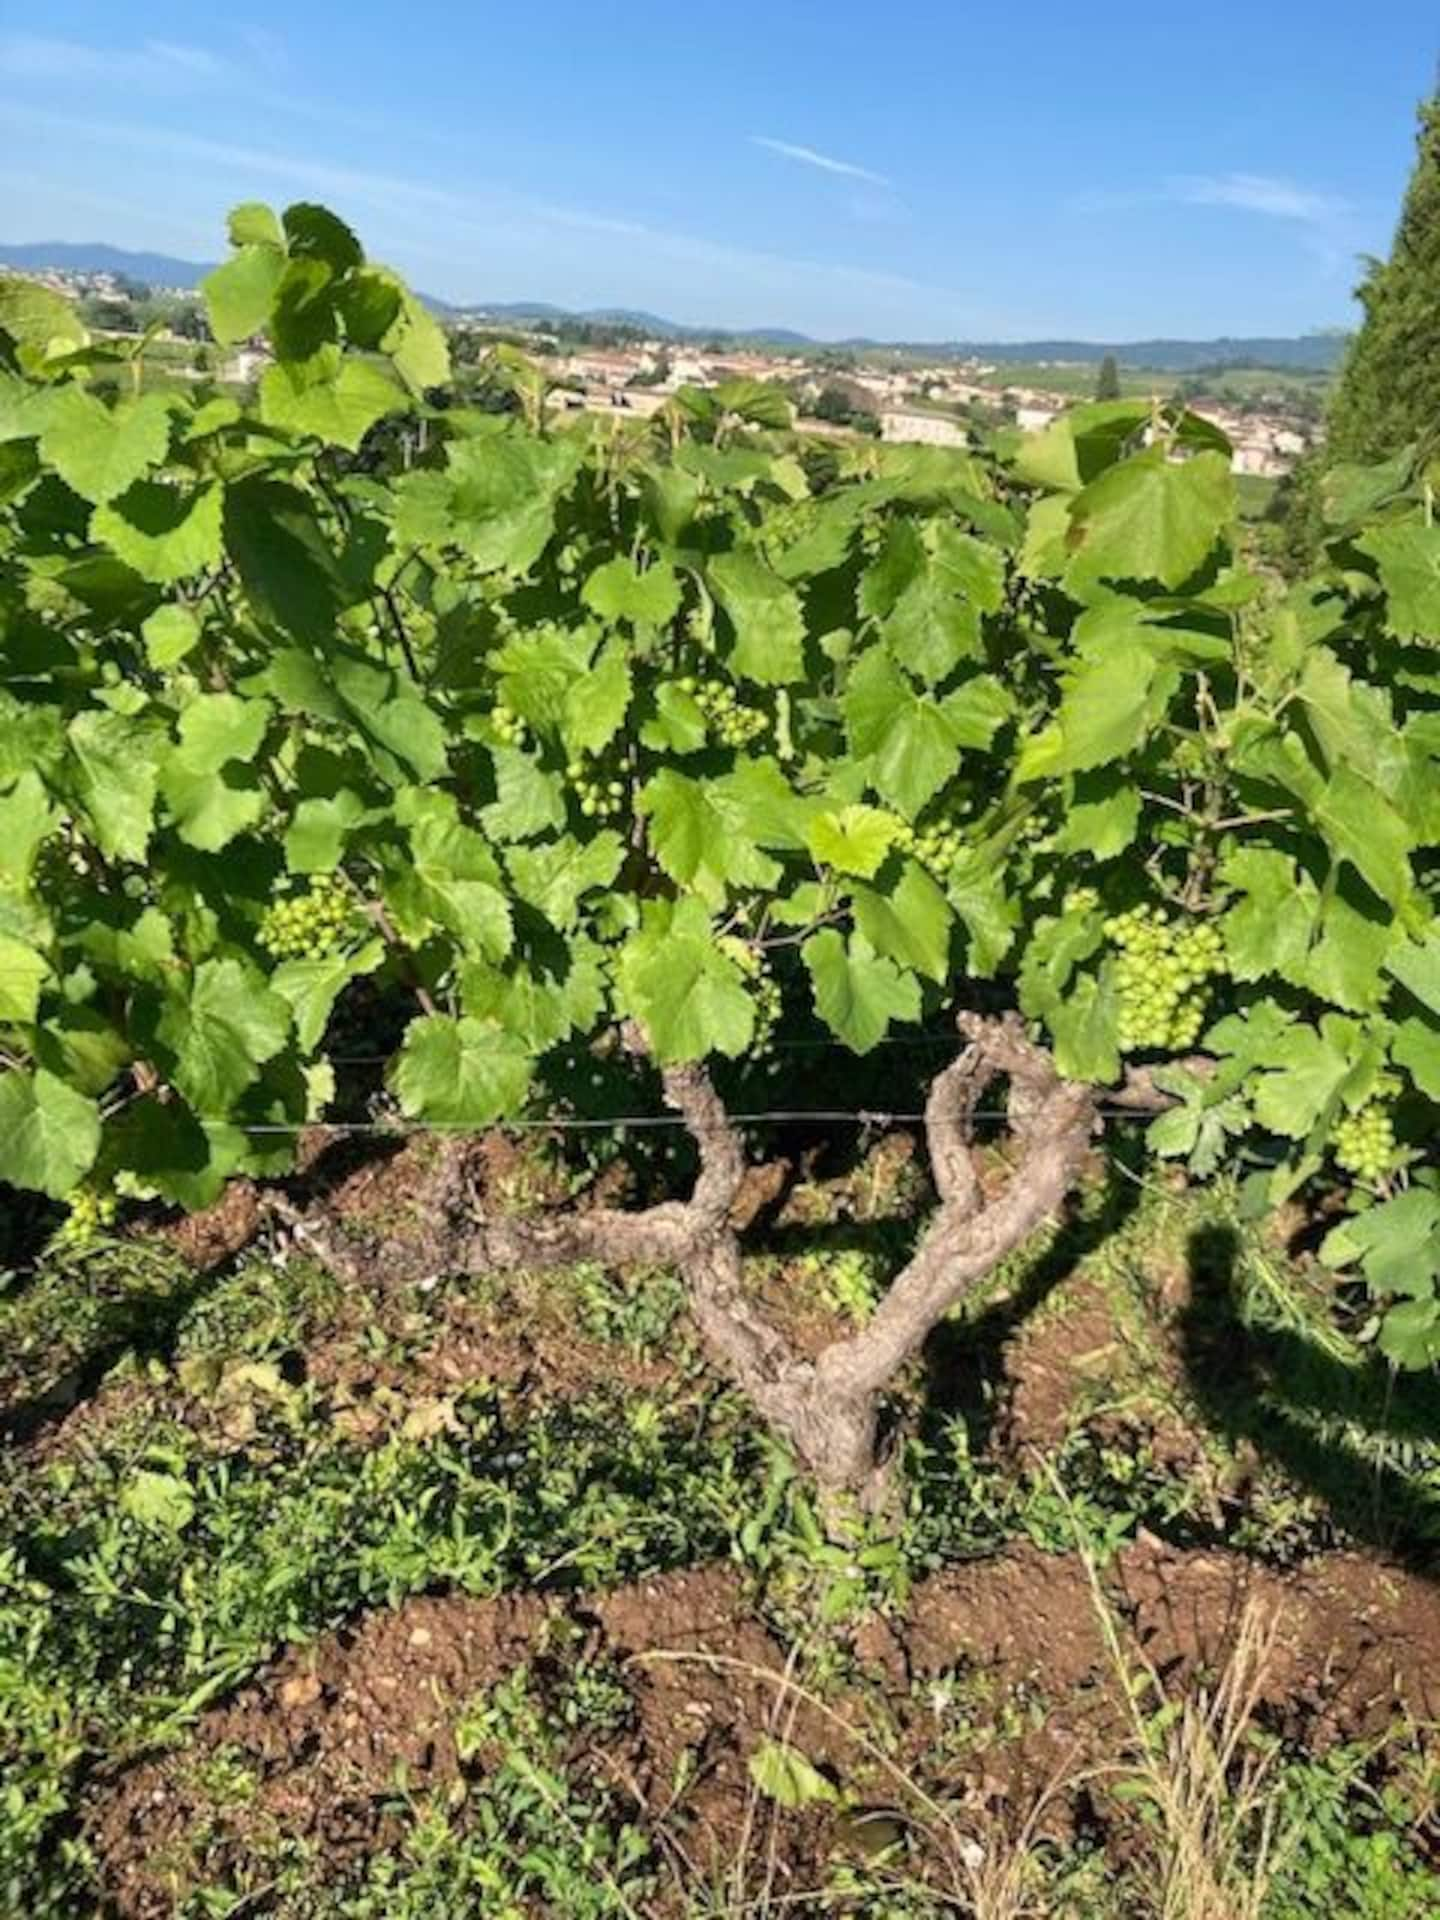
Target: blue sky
[{"x": 928, "y": 169}]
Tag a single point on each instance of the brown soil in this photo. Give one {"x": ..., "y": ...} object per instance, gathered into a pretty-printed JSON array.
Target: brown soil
[{"x": 330, "y": 1729}]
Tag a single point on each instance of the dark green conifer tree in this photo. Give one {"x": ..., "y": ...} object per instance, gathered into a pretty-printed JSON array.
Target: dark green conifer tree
[
  {"x": 1389, "y": 389},
  {"x": 1107, "y": 387}
]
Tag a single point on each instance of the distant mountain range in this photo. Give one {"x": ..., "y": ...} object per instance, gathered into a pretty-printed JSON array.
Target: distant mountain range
[{"x": 1314, "y": 352}]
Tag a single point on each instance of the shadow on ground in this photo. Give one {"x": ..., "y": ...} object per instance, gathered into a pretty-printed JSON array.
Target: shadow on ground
[{"x": 1348, "y": 1431}]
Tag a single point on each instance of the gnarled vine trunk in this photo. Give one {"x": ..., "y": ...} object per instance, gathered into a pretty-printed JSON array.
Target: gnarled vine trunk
[{"x": 827, "y": 1408}]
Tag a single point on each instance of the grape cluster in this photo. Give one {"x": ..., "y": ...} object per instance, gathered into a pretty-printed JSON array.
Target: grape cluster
[
  {"x": 597, "y": 797},
  {"x": 308, "y": 925},
  {"x": 764, "y": 990},
  {"x": 508, "y": 725},
  {"x": 1162, "y": 974},
  {"x": 728, "y": 718},
  {"x": 89, "y": 1215},
  {"x": 936, "y": 847},
  {"x": 1364, "y": 1143}
]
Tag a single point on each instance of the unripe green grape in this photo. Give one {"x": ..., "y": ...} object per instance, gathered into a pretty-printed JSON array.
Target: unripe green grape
[
  {"x": 596, "y": 796},
  {"x": 732, "y": 722},
  {"x": 89, "y": 1214},
  {"x": 937, "y": 846},
  {"x": 1162, "y": 970},
  {"x": 764, "y": 990},
  {"x": 509, "y": 726},
  {"x": 1364, "y": 1143},
  {"x": 308, "y": 925}
]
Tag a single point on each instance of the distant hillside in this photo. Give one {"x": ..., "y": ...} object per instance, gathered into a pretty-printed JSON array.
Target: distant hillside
[
  {"x": 84, "y": 256},
  {"x": 1317, "y": 352}
]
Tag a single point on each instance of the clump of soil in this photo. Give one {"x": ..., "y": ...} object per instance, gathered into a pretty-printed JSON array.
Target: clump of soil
[{"x": 330, "y": 1729}]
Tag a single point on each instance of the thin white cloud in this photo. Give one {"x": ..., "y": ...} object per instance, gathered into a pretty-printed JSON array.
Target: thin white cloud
[
  {"x": 810, "y": 158},
  {"x": 472, "y": 213},
  {"x": 1258, "y": 193},
  {"x": 30, "y": 56}
]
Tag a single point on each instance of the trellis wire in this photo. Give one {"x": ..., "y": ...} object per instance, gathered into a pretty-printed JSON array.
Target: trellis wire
[{"x": 575, "y": 1123}]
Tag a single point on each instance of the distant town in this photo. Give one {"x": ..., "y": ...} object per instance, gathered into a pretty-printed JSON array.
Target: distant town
[{"x": 1271, "y": 415}]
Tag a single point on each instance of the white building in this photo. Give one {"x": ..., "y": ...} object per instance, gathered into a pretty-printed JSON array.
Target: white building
[{"x": 928, "y": 429}]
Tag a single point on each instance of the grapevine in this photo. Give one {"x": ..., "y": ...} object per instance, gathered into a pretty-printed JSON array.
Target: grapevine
[{"x": 1013, "y": 664}]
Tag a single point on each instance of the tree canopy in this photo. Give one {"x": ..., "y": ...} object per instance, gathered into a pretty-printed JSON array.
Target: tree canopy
[{"x": 1388, "y": 396}]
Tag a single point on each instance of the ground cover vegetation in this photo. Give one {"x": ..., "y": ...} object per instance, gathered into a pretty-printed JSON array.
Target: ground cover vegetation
[{"x": 380, "y": 770}]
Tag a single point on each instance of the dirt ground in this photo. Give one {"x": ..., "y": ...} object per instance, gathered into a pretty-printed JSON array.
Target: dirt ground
[{"x": 329, "y": 1730}]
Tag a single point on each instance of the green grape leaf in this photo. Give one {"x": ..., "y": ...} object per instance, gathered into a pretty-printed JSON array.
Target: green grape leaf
[
  {"x": 1153, "y": 518},
  {"x": 310, "y": 988},
  {"x": 554, "y": 878},
  {"x": 766, "y": 615},
  {"x": 909, "y": 740},
  {"x": 596, "y": 703},
  {"x": 454, "y": 883},
  {"x": 541, "y": 1008},
  {"x": 164, "y": 534},
  {"x": 910, "y": 922},
  {"x": 678, "y": 725},
  {"x": 1312, "y": 1065},
  {"x": 991, "y": 918},
  {"x": 417, "y": 346},
  {"x": 1109, "y": 702},
  {"x": 496, "y": 502},
  {"x": 319, "y": 830},
  {"x": 328, "y": 397},
  {"x": 681, "y": 985},
  {"x": 100, "y": 451},
  {"x": 858, "y": 992},
  {"x": 169, "y": 634},
  {"x": 1410, "y": 1333},
  {"x": 39, "y": 319},
  {"x": 1416, "y": 965},
  {"x": 222, "y": 1033},
  {"x": 699, "y": 836},
  {"x": 240, "y": 294},
  {"x": 26, "y": 821},
  {"x": 853, "y": 839},
  {"x": 1103, "y": 817},
  {"x": 314, "y": 233},
  {"x": 49, "y": 1133},
  {"x": 1364, "y": 828},
  {"x": 1408, "y": 556},
  {"x": 1397, "y": 1243},
  {"x": 528, "y": 800},
  {"x": 1269, "y": 929},
  {"x": 23, "y": 972},
  {"x": 116, "y": 769},
  {"x": 208, "y": 781},
  {"x": 285, "y": 563},
  {"x": 1085, "y": 1026},
  {"x": 617, "y": 591},
  {"x": 460, "y": 1073},
  {"x": 253, "y": 224},
  {"x": 929, "y": 590},
  {"x": 1416, "y": 1048}
]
